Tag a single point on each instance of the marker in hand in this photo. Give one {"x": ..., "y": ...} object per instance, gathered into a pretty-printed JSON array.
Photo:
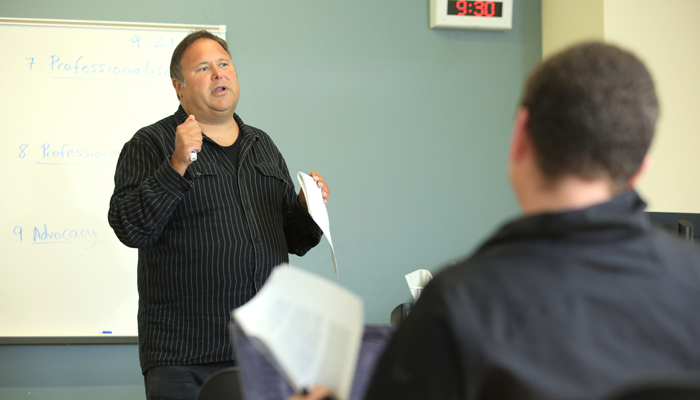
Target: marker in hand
[{"x": 193, "y": 153}]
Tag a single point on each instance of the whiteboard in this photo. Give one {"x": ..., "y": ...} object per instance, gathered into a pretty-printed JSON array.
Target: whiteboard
[{"x": 73, "y": 92}]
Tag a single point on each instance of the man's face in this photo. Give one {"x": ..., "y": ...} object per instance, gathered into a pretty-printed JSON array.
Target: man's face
[{"x": 211, "y": 85}]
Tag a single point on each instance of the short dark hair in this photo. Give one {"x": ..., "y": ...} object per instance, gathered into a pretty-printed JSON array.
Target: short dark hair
[
  {"x": 176, "y": 60},
  {"x": 592, "y": 113}
]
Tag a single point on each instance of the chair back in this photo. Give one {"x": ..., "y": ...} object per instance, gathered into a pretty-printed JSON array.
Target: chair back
[{"x": 262, "y": 381}]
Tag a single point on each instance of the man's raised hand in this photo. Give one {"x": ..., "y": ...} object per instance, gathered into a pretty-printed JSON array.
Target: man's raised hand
[{"x": 188, "y": 138}]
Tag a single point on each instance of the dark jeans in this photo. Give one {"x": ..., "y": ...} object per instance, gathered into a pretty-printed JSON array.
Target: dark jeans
[{"x": 179, "y": 382}]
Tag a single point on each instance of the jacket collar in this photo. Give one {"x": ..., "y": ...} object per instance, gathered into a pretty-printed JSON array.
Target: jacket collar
[
  {"x": 244, "y": 130},
  {"x": 620, "y": 217}
]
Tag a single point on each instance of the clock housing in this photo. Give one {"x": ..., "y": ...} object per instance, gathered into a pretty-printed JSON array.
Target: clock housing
[{"x": 469, "y": 14}]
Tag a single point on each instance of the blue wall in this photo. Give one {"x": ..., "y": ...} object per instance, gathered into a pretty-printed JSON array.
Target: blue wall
[{"x": 410, "y": 126}]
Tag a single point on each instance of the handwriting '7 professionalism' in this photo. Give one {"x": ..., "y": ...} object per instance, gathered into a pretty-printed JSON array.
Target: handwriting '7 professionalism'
[{"x": 81, "y": 65}]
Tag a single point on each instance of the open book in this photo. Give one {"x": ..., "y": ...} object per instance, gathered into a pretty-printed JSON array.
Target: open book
[{"x": 309, "y": 326}]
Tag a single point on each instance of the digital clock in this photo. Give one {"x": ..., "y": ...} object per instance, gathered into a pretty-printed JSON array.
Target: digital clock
[
  {"x": 468, "y": 14},
  {"x": 487, "y": 9}
]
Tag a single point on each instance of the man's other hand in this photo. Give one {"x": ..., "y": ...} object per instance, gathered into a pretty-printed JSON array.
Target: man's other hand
[{"x": 325, "y": 192}]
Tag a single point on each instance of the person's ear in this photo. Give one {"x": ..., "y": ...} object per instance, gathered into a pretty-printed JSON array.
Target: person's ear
[
  {"x": 520, "y": 140},
  {"x": 178, "y": 87},
  {"x": 643, "y": 168}
]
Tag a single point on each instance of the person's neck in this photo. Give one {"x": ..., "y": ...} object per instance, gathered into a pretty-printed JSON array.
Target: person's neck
[
  {"x": 224, "y": 132},
  {"x": 568, "y": 193}
]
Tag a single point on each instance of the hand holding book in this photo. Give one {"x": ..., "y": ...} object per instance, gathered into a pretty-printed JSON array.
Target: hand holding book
[{"x": 310, "y": 329}]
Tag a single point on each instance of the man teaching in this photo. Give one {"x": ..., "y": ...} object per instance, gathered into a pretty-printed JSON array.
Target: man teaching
[{"x": 209, "y": 231}]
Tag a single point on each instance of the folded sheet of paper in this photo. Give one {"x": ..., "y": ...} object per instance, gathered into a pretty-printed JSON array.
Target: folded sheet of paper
[
  {"x": 417, "y": 281},
  {"x": 317, "y": 209},
  {"x": 310, "y": 328}
]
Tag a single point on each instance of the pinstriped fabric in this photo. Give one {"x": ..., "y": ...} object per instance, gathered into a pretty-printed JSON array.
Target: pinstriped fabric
[{"x": 207, "y": 241}]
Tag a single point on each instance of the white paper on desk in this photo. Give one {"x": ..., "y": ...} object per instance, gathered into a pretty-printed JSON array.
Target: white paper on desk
[
  {"x": 317, "y": 209},
  {"x": 310, "y": 326}
]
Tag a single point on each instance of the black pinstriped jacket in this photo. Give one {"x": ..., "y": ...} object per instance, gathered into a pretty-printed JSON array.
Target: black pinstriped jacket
[{"x": 207, "y": 240}]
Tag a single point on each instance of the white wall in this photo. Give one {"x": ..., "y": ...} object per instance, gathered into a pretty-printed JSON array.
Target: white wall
[
  {"x": 666, "y": 35},
  {"x": 565, "y": 22}
]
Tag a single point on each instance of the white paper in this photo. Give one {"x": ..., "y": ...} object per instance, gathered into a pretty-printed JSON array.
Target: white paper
[
  {"x": 317, "y": 209},
  {"x": 417, "y": 280},
  {"x": 310, "y": 325}
]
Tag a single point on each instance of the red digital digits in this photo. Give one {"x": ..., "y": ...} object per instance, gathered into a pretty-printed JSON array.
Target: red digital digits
[
  {"x": 483, "y": 8},
  {"x": 479, "y": 5},
  {"x": 462, "y": 7},
  {"x": 489, "y": 9}
]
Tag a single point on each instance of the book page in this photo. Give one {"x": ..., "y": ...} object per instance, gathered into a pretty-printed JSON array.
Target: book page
[{"x": 311, "y": 326}]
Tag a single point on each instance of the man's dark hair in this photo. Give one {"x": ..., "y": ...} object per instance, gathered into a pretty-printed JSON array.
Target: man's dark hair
[
  {"x": 176, "y": 60},
  {"x": 592, "y": 113}
]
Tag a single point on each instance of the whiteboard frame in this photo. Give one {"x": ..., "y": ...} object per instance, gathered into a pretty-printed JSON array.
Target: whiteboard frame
[
  {"x": 110, "y": 24},
  {"x": 105, "y": 339}
]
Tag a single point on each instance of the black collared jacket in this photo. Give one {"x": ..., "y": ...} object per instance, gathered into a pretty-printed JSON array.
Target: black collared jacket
[
  {"x": 569, "y": 305},
  {"x": 207, "y": 241}
]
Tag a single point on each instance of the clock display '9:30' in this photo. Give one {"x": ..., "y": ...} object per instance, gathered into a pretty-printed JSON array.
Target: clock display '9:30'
[{"x": 475, "y": 8}]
